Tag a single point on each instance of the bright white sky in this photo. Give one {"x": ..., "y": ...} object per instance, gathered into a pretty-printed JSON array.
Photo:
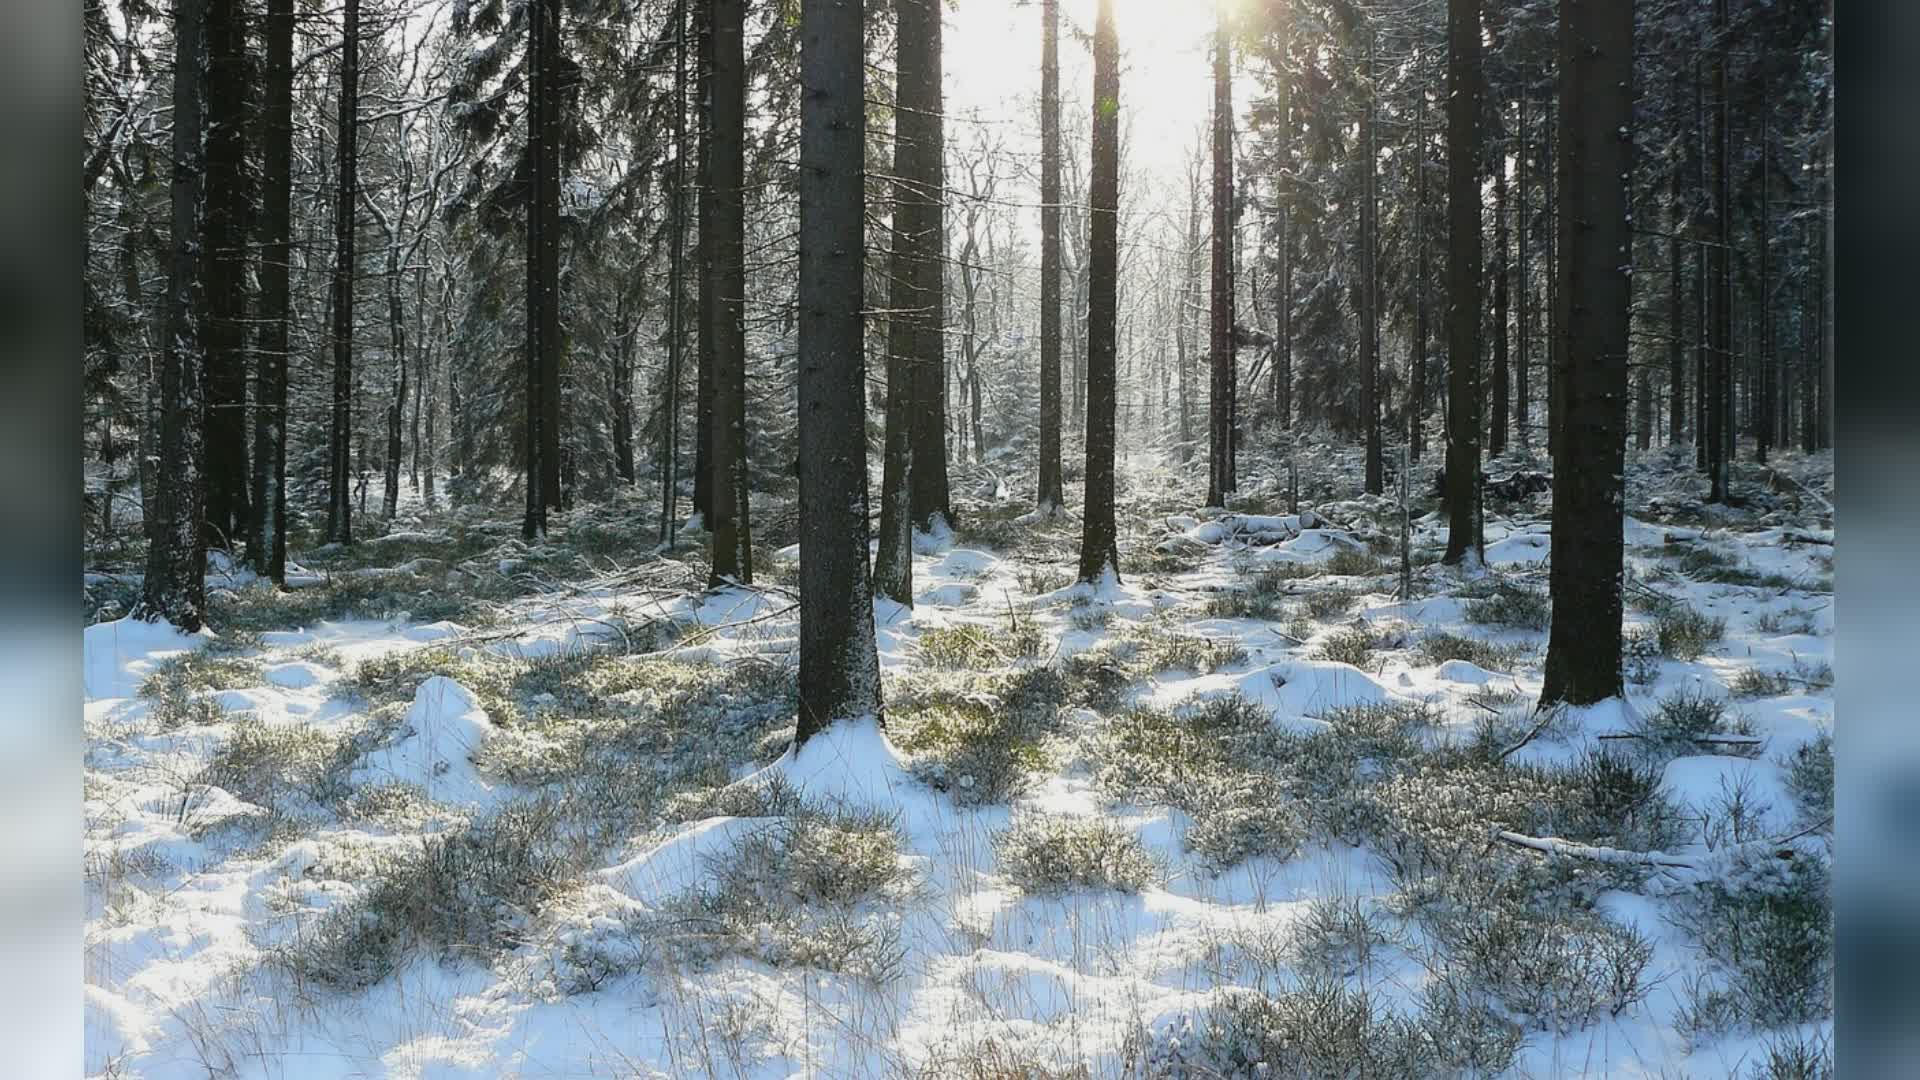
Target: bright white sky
[{"x": 992, "y": 61}]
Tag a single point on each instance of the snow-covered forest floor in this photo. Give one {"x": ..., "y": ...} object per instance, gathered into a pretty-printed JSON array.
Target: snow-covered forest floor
[{"x": 456, "y": 807}]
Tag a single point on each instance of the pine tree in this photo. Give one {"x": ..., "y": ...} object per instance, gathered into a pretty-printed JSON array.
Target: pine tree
[
  {"x": 224, "y": 231},
  {"x": 931, "y": 500},
  {"x": 1099, "y": 537},
  {"x": 1596, "y": 157},
  {"x": 839, "y": 668},
  {"x": 543, "y": 266}
]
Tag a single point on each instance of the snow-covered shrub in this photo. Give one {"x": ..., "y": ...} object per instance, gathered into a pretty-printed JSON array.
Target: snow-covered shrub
[
  {"x": 1354, "y": 562},
  {"x": 466, "y": 893},
  {"x": 1386, "y": 730},
  {"x": 1685, "y": 633},
  {"x": 1793, "y": 620},
  {"x": 1758, "y": 683},
  {"x": 1683, "y": 717},
  {"x": 1149, "y": 648},
  {"x": 1796, "y": 1056},
  {"x": 1640, "y": 656},
  {"x": 1327, "y": 603},
  {"x": 393, "y": 677},
  {"x": 1769, "y": 922},
  {"x": 1561, "y": 969},
  {"x": 1261, "y": 592},
  {"x": 271, "y": 764},
  {"x": 1323, "y": 1030},
  {"x": 1350, "y": 646},
  {"x": 1439, "y": 647},
  {"x": 962, "y": 646},
  {"x": 1045, "y": 853},
  {"x": 1337, "y": 936},
  {"x": 1518, "y": 607},
  {"x": 1810, "y": 776}
]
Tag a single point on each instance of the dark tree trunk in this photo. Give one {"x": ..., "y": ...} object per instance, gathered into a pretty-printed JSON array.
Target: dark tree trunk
[
  {"x": 224, "y": 234},
  {"x": 543, "y": 267},
  {"x": 1417, "y": 376},
  {"x": 1099, "y": 537},
  {"x": 1052, "y": 491},
  {"x": 704, "y": 300},
  {"x": 340, "y": 436},
  {"x": 1703, "y": 381},
  {"x": 676, "y": 287},
  {"x": 1676, "y": 332},
  {"x": 1375, "y": 479},
  {"x": 1497, "y": 435},
  {"x": 928, "y": 480},
  {"x": 907, "y": 302},
  {"x": 1763, "y": 310},
  {"x": 839, "y": 669},
  {"x": 1464, "y": 90},
  {"x": 1720, "y": 273},
  {"x": 1220, "y": 478},
  {"x": 1183, "y": 342},
  {"x": 397, "y": 402},
  {"x": 1523, "y": 280},
  {"x": 267, "y": 543},
  {"x": 1596, "y": 109},
  {"x": 174, "y": 589},
  {"x": 727, "y": 106},
  {"x": 621, "y": 390}
]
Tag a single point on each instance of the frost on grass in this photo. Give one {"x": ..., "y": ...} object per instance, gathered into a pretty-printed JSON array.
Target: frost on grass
[{"x": 1048, "y": 853}]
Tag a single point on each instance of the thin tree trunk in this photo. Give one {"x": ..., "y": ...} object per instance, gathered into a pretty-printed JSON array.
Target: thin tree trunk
[
  {"x": 224, "y": 233},
  {"x": 340, "y": 470},
  {"x": 1099, "y": 536},
  {"x": 676, "y": 287},
  {"x": 1523, "y": 278},
  {"x": 1497, "y": 436},
  {"x": 1676, "y": 332},
  {"x": 1596, "y": 108},
  {"x": 1417, "y": 376},
  {"x": 703, "y": 276},
  {"x": 1720, "y": 272},
  {"x": 839, "y": 668}
]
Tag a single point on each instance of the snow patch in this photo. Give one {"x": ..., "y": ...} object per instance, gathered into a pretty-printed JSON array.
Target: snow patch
[
  {"x": 435, "y": 748},
  {"x": 117, "y": 656}
]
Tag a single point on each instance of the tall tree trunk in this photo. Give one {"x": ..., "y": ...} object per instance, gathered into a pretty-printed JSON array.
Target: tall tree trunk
[
  {"x": 621, "y": 389},
  {"x": 839, "y": 668},
  {"x": 1375, "y": 479},
  {"x": 174, "y": 588},
  {"x": 1763, "y": 310},
  {"x": 1523, "y": 279},
  {"x": 1696, "y": 166},
  {"x": 1720, "y": 272},
  {"x": 423, "y": 356},
  {"x": 1417, "y": 375},
  {"x": 224, "y": 235},
  {"x": 1099, "y": 537},
  {"x": 916, "y": 220},
  {"x": 267, "y": 543},
  {"x": 928, "y": 483},
  {"x": 1220, "y": 479},
  {"x": 703, "y": 257},
  {"x": 1189, "y": 290},
  {"x": 1052, "y": 490},
  {"x": 1465, "y": 85},
  {"x": 1676, "y": 332},
  {"x": 727, "y": 106},
  {"x": 1596, "y": 109},
  {"x": 397, "y": 402},
  {"x": 544, "y": 491},
  {"x": 1497, "y": 435},
  {"x": 676, "y": 287},
  {"x": 340, "y": 436}
]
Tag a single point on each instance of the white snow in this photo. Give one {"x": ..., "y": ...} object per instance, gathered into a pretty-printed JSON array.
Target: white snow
[{"x": 434, "y": 749}]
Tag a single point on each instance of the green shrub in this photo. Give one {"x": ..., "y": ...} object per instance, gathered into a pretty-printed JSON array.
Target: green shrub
[
  {"x": 1769, "y": 923},
  {"x": 1810, "y": 776},
  {"x": 1685, "y": 633},
  {"x": 1516, "y": 606},
  {"x": 1352, "y": 646},
  {"x": 1755, "y": 683},
  {"x": 1330, "y": 602},
  {"x": 1563, "y": 971},
  {"x": 268, "y": 764},
  {"x": 1439, "y": 647},
  {"x": 1149, "y": 648},
  {"x": 1354, "y": 562},
  {"x": 960, "y": 646},
  {"x": 1262, "y": 594},
  {"x": 1054, "y": 852}
]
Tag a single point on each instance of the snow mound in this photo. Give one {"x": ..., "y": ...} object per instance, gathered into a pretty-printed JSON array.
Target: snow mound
[
  {"x": 433, "y": 631},
  {"x": 117, "y": 656},
  {"x": 1522, "y": 547},
  {"x": 683, "y": 861},
  {"x": 1311, "y": 687},
  {"x": 435, "y": 748},
  {"x": 295, "y": 674},
  {"x": 1464, "y": 671},
  {"x": 1700, "y": 780}
]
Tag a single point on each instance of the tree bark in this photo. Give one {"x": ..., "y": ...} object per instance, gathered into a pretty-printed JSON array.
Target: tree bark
[
  {"x": 1720, "y": 273},
  {"x": 543, "y": 267},
  {"x": 676, "y": 288},
  {"x": 727, "y": 108},
  {"x": 1596, "y": 158},
  {"x": 224, "y": 233},
  {"x": 1417, "y": 376},
  {"x": 1052, "y": 489},
  {"x": 839, "y": 668},
  {"x": 267, "y": 542},
  {"x": 1465, "y": 86},
  {"x": 1099, "y": 537},
  {"x": 1220, "y": 478},
  {"x": 928, "y": 482},
  {"x": 174, "y": 588},
  {"x": 1497, "y": 414},
  {"x": 346, "y": 195}
]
